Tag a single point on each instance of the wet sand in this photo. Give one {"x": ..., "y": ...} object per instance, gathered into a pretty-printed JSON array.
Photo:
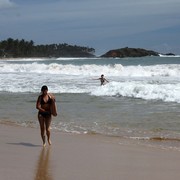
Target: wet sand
[{"x": 81, "y": 157}]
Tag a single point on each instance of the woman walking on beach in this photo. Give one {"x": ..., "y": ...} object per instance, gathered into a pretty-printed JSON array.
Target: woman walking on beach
[{"x": 43, "y": 104}]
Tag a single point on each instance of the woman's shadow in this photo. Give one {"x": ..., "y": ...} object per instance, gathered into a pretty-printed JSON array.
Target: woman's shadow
[
  {"x": 43, "y": 169},
  {"x": 25, "y": 144}
]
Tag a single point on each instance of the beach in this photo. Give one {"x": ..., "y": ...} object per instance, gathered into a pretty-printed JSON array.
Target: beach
[
  {"x": 75, "y": 157},
  {"x": 127, "y": 129}
]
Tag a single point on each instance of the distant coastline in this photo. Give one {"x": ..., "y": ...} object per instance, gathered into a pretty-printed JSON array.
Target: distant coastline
[{"x": 11, "y": 48}]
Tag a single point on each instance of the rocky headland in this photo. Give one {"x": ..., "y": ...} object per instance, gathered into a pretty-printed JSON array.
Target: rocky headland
[{"x": 129, "y": 52}]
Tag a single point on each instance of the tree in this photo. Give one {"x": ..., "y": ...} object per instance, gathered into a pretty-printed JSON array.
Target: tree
[{"x": 22, "y": 48}]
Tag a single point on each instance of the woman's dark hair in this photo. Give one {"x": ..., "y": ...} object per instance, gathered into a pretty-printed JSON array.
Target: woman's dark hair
[{"x": 44, "y": 88}]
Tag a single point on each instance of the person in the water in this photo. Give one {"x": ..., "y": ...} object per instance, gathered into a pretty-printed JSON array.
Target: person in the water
[{"x": 103, "y": 80}]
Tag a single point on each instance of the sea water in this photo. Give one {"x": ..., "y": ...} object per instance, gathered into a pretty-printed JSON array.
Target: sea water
[{"x": 141, "y": 100}]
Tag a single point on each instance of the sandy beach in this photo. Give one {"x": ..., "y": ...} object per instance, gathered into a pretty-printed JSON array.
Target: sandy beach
[{"x": 81, "y": 157}]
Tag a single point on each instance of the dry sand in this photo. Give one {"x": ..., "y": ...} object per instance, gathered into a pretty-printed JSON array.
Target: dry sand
[{"x": 81, "y": 157}]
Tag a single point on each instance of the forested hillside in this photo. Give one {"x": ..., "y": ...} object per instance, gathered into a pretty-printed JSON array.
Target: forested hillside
[{"x": 21, "y": 48}]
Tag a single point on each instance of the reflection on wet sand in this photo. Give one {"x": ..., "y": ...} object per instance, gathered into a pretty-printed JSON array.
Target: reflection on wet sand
[{"x": 44, "y": 171}]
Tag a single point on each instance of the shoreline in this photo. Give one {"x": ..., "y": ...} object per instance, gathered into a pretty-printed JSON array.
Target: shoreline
[
  {"x": 95, "y": 57},
  {"x": 160, "y": 142},
  {"x": 75, "y": 157}
]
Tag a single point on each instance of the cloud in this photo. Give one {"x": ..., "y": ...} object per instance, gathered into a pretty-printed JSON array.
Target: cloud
[
  {"x": 6, "y": 4},
  {"x": 97, "y": 23}
]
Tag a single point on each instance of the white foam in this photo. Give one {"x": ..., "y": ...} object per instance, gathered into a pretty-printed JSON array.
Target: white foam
[
  {"x": 138, "y": 89},
  {"x": 93, "y": 70},
  {"x": 163, "y": 55},
  {"x": 159, "y": 82}
]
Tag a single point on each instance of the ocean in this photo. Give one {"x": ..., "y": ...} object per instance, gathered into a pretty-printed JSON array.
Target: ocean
[{"x": 141, "y": 102}]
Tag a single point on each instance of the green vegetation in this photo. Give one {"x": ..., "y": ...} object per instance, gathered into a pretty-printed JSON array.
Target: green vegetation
[{"x": 21, "y": 48}]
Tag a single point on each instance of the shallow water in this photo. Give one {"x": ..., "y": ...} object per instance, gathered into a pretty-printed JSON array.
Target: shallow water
[
  {"x": 142, "y": 100},
  {"x": 81, "y": 113}
]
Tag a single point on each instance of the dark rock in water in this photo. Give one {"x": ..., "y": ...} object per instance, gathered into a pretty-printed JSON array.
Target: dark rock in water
[
  {"x": 170, "y": 54},
  {"x": 129, "y": 52}
]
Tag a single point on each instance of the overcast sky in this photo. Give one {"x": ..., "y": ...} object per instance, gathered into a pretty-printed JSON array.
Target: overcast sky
[{"x": 101, "y": 24}]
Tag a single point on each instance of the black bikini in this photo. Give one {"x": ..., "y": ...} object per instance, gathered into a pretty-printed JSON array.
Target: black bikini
[
  {"x": 45, "y": 114},
  {"x": 48, "y": 102}
]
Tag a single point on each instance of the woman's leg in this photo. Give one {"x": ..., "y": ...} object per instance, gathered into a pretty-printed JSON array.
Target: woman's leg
[
  {"x": 42, "y": 128},
  {"x": 48, "y": 123}
]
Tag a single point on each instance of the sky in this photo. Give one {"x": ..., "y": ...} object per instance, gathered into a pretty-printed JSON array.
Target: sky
[{"x": 101, "y": 24}]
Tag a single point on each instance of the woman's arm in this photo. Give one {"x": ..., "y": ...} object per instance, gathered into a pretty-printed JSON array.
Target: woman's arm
[{"x": 106, "y": 80}]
